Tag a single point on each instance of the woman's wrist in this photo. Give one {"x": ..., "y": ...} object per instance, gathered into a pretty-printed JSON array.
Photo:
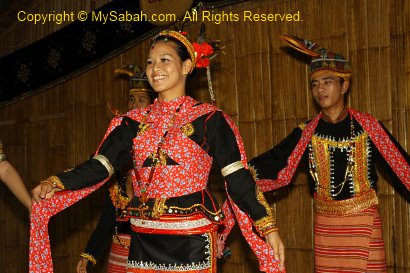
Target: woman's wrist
[
  {"x": 266, "y": 225},
  {"x": 269, "y": 230},
  {"x": 54, "y": 182},
  {"x": 89, "y": 258}
]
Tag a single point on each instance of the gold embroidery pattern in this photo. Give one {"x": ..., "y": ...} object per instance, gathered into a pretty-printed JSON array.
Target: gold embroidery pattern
[
  {"x": 142, "y": 127},
  {"x": 54, "y": 181},
  {"x": 266, "y": 224},
  {"x": 262, "y": 200},
  {"x": 253, "y": 172},
  {"x": 161, "y": 160},
  {"x": 57, "y": 182},
  {"x": 347, "y": 206},
  {"x": 302, "y": 126},
  {"x": 214, "y": 216},
  {"x": 118, "y": 200},
  {"x": 125, "y": 242},
  {"x": 322, "y": 148},
  {"x": 341, "y": 144},
  {"x": 322, "y": 158},
  {"x": 188, "y": 129},
  {"x": 159, "y": 208},
  {"x": 361, "y": 166}
]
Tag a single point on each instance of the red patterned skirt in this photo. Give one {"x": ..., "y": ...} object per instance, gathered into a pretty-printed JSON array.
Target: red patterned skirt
[
  {"x": 117, "y": 261},
  {"x": 349, "y": 243}
]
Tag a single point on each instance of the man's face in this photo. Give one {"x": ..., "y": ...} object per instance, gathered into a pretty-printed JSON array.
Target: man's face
[
  {"x": 328, "y": 90},
  {"x": 138, "y": 100}
]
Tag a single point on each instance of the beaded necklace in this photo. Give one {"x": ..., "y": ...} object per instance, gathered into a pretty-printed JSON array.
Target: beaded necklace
[{"x": 349, "y": 165}]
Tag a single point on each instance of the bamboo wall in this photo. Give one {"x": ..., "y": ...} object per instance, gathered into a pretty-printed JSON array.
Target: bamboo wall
[{"x": 261, "y": 86}]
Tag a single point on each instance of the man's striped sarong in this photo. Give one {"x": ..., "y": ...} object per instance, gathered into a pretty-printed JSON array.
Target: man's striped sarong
[
  {"x": 349, "y": 243},
  {"x": 117, "y": 261}
]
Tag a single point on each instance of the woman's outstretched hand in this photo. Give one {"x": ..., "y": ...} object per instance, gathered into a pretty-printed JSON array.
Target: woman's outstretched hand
[{"x": 275, "y": 242}]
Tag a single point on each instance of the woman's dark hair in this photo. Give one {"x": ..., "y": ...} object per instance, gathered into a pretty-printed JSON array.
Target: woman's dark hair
[{"x": 181, "y": 50}]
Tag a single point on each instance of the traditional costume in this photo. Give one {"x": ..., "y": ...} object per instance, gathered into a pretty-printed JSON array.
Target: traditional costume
[
  {"x": 174, "y": 217},
  {"x": 341, "y": 157},
  {"x": 113, "y": 224}
]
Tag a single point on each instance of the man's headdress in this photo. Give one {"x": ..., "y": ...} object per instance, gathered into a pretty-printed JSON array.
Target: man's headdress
[
  {"x": 322, "y": 59},
  {"x": 137, "y": 79}
]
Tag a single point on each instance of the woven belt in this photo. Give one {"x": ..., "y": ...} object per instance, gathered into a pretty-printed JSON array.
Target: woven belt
[
  {"x": 347, "y": 206},
  {"x": 195, "y": 224}
]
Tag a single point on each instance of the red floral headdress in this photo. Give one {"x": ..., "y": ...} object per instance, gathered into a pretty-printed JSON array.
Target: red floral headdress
[
  {"x": 205, "y": 51},
  {"x": 202, "y": 54}
]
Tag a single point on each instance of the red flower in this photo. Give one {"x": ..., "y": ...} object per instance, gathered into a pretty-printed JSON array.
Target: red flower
[
  {"x": 204, "y": 62},
  {"x": 202, "y": 51}
]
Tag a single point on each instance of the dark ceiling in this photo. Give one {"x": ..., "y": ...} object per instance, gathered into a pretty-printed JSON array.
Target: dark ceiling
[{"x": 9, "y": 10}]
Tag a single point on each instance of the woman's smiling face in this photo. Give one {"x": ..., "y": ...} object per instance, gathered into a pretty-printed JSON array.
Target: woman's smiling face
[{"x": 165, "y": 70}]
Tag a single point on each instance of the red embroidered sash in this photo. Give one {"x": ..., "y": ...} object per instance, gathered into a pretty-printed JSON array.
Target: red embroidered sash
[
  {"x": 262, "y": 250},
  {"x": 40, "y": 260},
  {"x": 286, "y": 174},
  {"x": 376, "y": 133},
  {"x": 385, "y": 146}
]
